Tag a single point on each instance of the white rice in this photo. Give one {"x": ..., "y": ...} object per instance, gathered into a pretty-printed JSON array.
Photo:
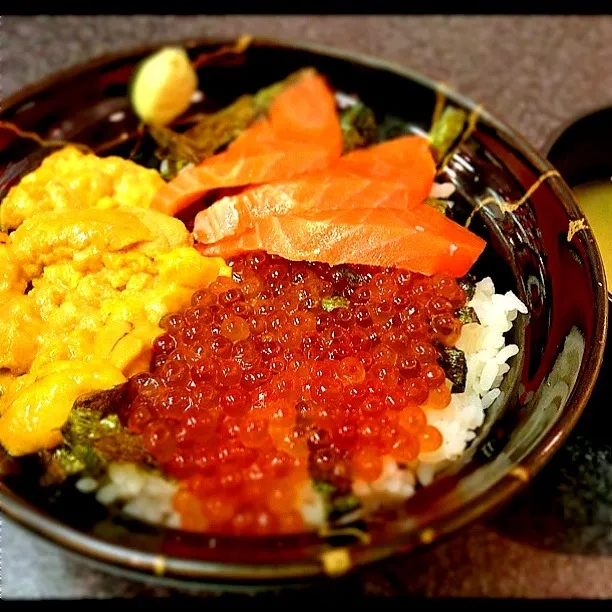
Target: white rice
[
  {"x": 442, "y": 191},
  {"x": 345, "y": 101},
  {"x": 144, "y": 494},
  {"x": 312, "y": 507},
  {"x": 393, "y": 485},
  {"x": 148, "y": 496}
]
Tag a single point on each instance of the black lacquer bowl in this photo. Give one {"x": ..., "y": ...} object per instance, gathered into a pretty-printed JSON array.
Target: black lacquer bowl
[{"x": 562, "y": 338}]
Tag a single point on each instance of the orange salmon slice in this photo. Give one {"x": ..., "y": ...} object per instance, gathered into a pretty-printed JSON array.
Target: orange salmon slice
[
  {"x": 400, "y": 159},
  {"x": 306, "y": 112},
  {"x": 226, "y": 170},
  {"x": 322, "y": 191},
  {"x": 301, "y": 134},
  {"x": 418, "y": 239},
  {"x": 397, "y": 174}
]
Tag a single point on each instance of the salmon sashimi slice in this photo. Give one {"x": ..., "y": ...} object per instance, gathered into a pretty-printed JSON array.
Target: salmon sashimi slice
[
  {"x": 225, "y": 170},
  {"x": 400, "y": 159},
  {"x": 258, "y": 138},
  {"x": 316, "y": 192},
  {"x": 368, "y": 178},
  {"x": 234, "y": 245},
  {"x": 306, "y": 112},
  {"x": 418, "y": 239},
  {"x": 301, "y": 134}
]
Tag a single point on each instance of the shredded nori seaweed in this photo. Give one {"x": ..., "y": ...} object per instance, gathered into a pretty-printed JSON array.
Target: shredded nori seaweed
[
  {"x": 59, "y": 464},
  {"x": 454, "y": 364},
  {"x": 467, "y": 315},
  {"x": 103, "y": 402},
  {"x": 468, "y": 284},
  {"x": 8, "y": 464},
  {"x": 335, "y": 301},
  {"x": 93, "y": 438},
  {"x": 351, "y": 277},
  {"x": 337, "y": 502}
]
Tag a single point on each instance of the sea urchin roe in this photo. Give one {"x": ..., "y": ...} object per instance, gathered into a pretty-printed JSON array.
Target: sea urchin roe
[{"x": 258, "y": 387}]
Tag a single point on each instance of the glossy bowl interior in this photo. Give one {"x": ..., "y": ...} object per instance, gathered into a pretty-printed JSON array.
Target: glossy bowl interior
[{"x": 550, "y": 380}]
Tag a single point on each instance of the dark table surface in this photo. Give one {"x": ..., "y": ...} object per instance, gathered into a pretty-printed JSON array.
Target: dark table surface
[{"x": 535, "y": 73}]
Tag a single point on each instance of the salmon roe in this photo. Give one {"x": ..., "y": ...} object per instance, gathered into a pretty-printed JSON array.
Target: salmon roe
[{"x": 256, "y": 388}]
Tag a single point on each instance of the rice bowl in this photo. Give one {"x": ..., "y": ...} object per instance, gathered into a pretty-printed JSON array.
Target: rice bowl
[{"x": 176, "y": 567}]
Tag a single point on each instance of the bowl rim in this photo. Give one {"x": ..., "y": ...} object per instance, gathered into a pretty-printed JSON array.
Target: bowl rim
[{"x": 141, "y": 563}]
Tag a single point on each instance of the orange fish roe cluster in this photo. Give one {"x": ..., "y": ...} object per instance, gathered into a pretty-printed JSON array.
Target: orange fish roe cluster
[{"x": 264, "y": 382}]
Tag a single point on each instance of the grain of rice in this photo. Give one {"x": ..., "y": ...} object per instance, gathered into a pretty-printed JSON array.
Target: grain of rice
[
  {"x": 489, "y": 372},
  {"x": 155, "y": 486},
  {"x": 489, "y": 398},
  {"x": 108, "y": 493},
  {"x": 441, "y": 191},
  {"x": 174, "y": 521},
  {"x": 86, "y": 485},
  {"x": 425, "y": 473},
  {"x": 508, "y": 351}
]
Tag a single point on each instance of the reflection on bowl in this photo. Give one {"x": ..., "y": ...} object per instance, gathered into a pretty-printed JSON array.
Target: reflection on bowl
[
  {"x": 552, "y": 396},
  {"x": 529, "y": 252}
]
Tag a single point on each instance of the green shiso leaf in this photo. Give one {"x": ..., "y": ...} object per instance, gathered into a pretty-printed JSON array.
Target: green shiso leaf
[{"x": 358, "y": 125}]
